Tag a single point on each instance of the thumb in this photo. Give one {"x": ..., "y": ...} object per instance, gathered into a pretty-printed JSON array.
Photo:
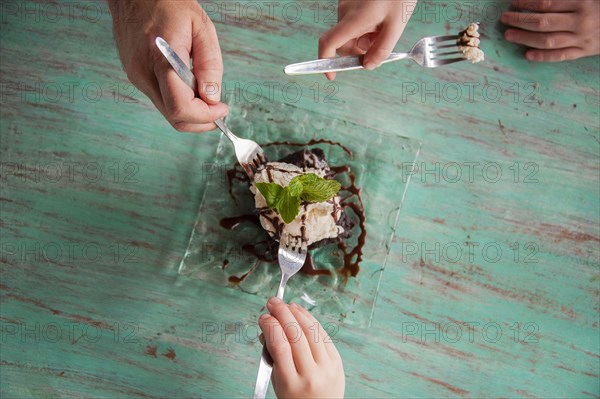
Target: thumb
[{"x": 206, "y": 60}]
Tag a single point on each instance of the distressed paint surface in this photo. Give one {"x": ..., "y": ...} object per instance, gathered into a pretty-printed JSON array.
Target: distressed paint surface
[{"x": 92, "y": 305}]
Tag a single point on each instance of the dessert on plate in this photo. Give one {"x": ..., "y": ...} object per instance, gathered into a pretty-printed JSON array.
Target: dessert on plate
[{"x": 297, "y": 196}]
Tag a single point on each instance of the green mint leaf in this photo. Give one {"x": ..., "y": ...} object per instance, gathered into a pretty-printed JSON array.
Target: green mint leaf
[
  {"x": 288, "y": 205},
  {"x": 271, "y": 192},
  {"x": 309, "y": 178},
  {"x": 317, "y": 189},
  {"x": 295, "y": 186}
]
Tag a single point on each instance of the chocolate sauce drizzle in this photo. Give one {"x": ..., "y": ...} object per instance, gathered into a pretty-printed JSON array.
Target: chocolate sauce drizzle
[{"x": 266, "y": 250}]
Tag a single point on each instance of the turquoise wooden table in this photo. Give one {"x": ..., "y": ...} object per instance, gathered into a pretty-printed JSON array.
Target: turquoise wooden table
[{"x": 491, "y": 288}]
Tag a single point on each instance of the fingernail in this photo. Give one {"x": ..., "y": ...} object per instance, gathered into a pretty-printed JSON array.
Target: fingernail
[
  {"x": 508, "y": 35},
  {"x": 370, "y": 66},
  {"x": 294, "y": 305},
  {"x": 211, "y": 90},
  {"x": 214, "y": 97},
  {"x": 264, "y": 316},
  {"x": 274, "y": 301}
]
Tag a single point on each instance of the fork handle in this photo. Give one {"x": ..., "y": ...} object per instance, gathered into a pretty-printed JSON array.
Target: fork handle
[
  {"x": 338, "y": 64},
  {"x": 265, "y": 368},
  {"x": 282, "y": 284}
]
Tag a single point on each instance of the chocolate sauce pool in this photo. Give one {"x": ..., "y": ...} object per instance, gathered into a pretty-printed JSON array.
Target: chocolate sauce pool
[{"x": 267, "y": 250}]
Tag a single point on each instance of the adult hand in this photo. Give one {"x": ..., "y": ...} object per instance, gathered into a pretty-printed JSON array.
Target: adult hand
[
  {"x": 555, "y": 30},
  {"x": 187, "y": 28}
]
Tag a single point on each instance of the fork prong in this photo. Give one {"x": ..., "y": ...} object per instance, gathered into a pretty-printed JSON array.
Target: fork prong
[
  {"x": 262, "y": 157},
  {"x": 258, "y": 158},
  {"x": 255, "y": 163},
  {"x": 437, "y": 63},
  {"x": 444, "y": 46},
  {"x": 440, "y": 54},
  {"x": 248, "y": 170},
  {"x": 439, "y": 39}
]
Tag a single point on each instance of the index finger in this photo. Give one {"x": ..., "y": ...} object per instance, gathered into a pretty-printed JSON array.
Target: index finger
[
  {"x": 293, "y": 333},
  {"x": 279, "y": 349},
  {"x": 336, "y": 37}
]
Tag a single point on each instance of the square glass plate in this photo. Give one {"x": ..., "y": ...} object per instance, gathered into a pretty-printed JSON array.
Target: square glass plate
[{"x": 227, "y": 256}]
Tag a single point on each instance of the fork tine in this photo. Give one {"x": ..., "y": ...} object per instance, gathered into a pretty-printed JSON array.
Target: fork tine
[
  {"x": 444, "y": 46},
  {"x": 438, "y": 39},
  {"x": 258, "y": 157},
  {"x": 437, "y": 63},
  {"x": 248, "y": 170},
  {"x": 257, "y": 160},
  {"x": 437, "y": 55}
]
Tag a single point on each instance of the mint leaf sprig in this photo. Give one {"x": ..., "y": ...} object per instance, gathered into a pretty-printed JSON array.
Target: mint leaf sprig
[{"x": 286, "y": 200}]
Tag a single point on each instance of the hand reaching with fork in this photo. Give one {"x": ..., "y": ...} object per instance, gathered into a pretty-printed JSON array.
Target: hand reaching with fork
[
  {"x": 184, "y": 25},
  {"x": 366, "y": 27},
  {"x": 306, "y": 363}
]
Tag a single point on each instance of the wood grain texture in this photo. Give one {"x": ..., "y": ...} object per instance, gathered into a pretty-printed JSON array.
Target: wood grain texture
[{"x": 99, "y": 195}]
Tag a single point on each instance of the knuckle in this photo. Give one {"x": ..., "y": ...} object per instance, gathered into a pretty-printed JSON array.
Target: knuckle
[
  {"x": 541, "y": 22},
  {"x": 278, "y": 348},
  {"x": 549, "y": 42},
  {"x": 545, "y": 5}
]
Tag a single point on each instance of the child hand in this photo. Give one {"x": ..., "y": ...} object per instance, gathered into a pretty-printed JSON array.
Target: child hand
[
  {"x": 306, "y": 363},
  {"x": 372, "y": 27},
  {"x": 556, "y": 30}
]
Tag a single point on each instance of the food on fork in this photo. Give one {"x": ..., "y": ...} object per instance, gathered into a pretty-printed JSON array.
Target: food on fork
[
  {"x": 468, "y": 42},
  {"x": 296, "y": 196}
]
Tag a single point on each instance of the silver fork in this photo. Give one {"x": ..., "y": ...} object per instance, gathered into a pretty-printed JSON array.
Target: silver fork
[
  {"x": 429, "y": 52},
  {"x": 248, "y": 153},
  {"x": 292, "y": 254}
]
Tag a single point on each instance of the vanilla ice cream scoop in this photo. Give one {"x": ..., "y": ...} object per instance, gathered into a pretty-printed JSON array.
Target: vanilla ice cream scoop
[
  {"x": 315, "y": 221},
  {"x": 468, "y": 42}
]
